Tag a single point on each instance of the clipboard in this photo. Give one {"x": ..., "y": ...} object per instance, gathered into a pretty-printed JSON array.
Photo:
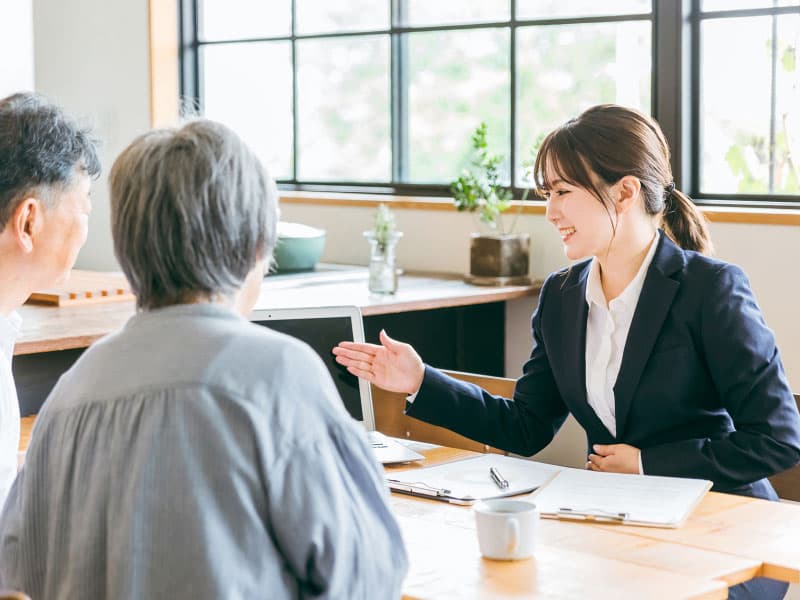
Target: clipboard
[
  {"x": 469, "y": 480},
  {"x": 645, "y": 500}
]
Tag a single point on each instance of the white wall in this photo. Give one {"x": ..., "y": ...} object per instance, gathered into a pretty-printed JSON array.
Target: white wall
[
  {"x": 92, "y": 57},
  {"x": 16, "y": 46}
]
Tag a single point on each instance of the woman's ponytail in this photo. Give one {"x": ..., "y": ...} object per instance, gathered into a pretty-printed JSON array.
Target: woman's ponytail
[{"x": 684, "y": 223}]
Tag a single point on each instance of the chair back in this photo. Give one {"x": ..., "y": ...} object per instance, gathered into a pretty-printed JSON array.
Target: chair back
[
  {"x": 787, "y": 484},
  {"x": 390, "y": 420}
]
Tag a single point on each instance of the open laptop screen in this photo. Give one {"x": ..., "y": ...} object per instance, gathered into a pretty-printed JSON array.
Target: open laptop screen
[{"x": 322, "y": 334}]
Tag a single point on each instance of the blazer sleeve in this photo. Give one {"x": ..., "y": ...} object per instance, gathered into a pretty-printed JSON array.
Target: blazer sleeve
[
  {"x": 745, "y": 366},
  {"x": 523, "y": 425}
]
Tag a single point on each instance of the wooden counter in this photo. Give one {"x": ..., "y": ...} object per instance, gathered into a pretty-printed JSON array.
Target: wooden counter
[{"x": 47, "y": 328}]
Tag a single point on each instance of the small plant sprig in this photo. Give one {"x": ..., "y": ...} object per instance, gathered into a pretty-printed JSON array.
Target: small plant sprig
[
  {"x": 385, "y": 226},
  {"x": 478, "y": 188}
]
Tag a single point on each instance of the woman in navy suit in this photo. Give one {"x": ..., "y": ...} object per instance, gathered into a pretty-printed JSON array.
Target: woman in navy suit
[{"x": 659, "y": 351}]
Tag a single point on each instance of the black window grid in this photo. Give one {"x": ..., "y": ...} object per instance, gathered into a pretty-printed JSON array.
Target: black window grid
[{"x": 675, "y": 87}]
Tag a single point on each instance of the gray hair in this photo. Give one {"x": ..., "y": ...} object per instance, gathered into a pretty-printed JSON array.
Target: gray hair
[
  {"x": 192, "y": 210},
  {"x": 41, "y": 149}
]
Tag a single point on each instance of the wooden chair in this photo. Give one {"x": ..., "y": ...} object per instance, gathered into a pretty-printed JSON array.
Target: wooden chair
[
  {"x": 787, "y": 484},
  {"x": 389, "y": 417}
]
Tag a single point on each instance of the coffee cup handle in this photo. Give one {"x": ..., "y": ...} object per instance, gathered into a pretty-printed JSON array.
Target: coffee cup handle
[{"x": 512, "y": 535}]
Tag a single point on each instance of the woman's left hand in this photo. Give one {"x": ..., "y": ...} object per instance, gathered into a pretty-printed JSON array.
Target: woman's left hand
[{"x": 614, "y": 458}]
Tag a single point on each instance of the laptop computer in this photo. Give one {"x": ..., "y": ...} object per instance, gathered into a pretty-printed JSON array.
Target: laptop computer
[{"x": 322, "y": 329}]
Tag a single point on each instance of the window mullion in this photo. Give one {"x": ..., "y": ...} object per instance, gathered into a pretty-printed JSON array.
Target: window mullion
[
  {"x": 773, "y": 102},
  {"x": 399, "y": 92},
  {"x": 190, "y": 52},
  {"x": 295, "y": 145},
  {"x": 512, "y": 62},
  {"x": 693, "y": 184},
  {"x": 670, "y": 83}
]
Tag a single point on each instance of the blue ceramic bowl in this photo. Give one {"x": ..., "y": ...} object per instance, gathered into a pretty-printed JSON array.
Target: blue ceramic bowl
[{"x": 298, "y": 248}]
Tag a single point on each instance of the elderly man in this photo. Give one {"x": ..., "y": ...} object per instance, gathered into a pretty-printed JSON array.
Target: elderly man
[{"x": 46, "y": 165}]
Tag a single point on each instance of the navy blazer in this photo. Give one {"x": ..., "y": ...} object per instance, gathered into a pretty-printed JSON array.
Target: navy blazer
[{"x": 701, "y": 388}]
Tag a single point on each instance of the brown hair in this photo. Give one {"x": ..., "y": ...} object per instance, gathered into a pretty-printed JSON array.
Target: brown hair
[{"x": 613, "y": 141}]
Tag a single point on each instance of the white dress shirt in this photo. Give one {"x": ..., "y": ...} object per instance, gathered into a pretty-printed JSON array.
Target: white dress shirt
[
  {"x": 607, "y": 328},
  {"x": 9, "y": 405}
]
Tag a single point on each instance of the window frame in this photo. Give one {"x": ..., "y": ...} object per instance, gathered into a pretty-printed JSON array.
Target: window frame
[
  {"x": 675, "y": 91},
  {"x": 697, "y": 17}
]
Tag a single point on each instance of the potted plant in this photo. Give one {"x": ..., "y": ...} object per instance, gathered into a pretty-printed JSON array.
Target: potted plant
[
  {"x": 500, "y": 256},
  {"x": 383, "y": 239}
]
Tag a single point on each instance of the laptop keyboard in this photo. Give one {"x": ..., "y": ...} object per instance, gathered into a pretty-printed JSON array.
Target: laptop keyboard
[
  {"x": 389, "y": 450},
  {"x": 376, "y": 439}
]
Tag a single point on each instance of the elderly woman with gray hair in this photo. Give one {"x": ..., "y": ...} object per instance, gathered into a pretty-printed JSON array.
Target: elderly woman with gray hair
[{"x": 193, "y": 454}]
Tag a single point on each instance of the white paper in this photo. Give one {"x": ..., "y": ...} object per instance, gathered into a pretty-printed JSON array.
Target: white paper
[
  {"x": 469, "y": 478},
  {"x": 643, "y": 499}
]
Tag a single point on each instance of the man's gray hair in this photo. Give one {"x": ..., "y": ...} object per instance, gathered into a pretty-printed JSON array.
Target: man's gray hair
[
  {"x": 41, "y": 150},
  {"x": 192, "y": 209}
]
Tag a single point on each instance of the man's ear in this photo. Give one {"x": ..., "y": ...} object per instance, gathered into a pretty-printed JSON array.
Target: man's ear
[
  {"x": 25, "y": 222},
  {"x": 627, "y": 193}
]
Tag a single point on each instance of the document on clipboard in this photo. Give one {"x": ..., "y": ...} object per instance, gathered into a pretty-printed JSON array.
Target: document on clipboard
[
  {"x": 471, "y": 479},
  {"x": 647, "y": 500}
]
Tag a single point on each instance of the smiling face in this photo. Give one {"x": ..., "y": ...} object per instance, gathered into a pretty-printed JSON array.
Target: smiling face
[{"x": 582, "y": 221}]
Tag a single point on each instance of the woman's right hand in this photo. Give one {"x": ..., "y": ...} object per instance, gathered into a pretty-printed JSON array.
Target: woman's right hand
[{"x": 393, "y": 365}]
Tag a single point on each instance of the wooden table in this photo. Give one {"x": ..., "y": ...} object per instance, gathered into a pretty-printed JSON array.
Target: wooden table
[{"x": 727, "y": 540}]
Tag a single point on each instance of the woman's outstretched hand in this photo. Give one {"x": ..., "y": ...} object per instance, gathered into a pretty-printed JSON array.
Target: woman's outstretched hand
[{"x": 393, "y": 365}]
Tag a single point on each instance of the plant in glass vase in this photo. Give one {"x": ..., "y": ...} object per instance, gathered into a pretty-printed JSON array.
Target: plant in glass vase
[
  {"x": 383, "y": 240},
  {"x": 500, "y": 256}
]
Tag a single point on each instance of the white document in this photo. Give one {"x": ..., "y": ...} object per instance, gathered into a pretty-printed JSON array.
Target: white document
[
  {"x": 617, "y": 497},
  {"x": 468, "y": 480}
]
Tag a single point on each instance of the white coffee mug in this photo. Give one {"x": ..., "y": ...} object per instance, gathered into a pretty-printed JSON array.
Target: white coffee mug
[{"x": 506, "y": 528}]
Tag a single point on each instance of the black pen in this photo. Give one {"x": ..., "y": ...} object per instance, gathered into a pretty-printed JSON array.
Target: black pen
[{"x": 497, "y": 478}]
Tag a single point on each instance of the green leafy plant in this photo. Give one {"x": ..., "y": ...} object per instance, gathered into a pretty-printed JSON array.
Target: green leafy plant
[
  {"x": 385, "y": 230},
  {"x": 478, "y": 188}
]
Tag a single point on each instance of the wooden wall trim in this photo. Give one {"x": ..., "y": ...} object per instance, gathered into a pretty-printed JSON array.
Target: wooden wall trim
[
  {"x": 753, "y": 216},
  {"x": 164, "y": 67}
]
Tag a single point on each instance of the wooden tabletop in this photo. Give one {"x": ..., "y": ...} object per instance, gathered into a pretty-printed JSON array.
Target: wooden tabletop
[
  {"x": 48, "y": 328},
  {"x": 727, "y": 540}
]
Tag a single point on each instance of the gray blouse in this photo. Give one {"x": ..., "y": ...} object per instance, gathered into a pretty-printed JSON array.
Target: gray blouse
[{"x": 196, "y": 455}]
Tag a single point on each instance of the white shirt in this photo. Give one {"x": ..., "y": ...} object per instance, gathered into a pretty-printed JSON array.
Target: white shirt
[
  {"x": 607, "y": 328},
  {"x": 9, "y": 405}
]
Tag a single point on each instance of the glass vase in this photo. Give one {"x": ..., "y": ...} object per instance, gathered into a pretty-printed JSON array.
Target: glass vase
[{"x": 382, "y": 263}]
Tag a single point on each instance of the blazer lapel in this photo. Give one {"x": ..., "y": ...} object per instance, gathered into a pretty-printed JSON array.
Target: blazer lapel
[
  {"x": 657, "y": 294},
  {"x": 573, "y": 336}
]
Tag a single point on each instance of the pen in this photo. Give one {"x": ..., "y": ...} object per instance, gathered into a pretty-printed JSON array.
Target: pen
[
  {"x": 497, "y": 478},
  {"x": 591, "y": 515}
]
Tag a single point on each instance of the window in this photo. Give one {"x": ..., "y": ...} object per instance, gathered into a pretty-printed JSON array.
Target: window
[
  {"x": 383, "y": 94},
  {"x": 386, "y": 93},
  {"x": 748, "y": 105}
]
